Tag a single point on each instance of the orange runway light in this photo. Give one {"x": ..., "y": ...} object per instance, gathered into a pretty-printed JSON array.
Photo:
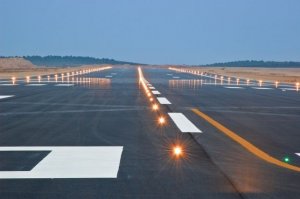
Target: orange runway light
[
  {"x": 161, "y": 120},
  {"x": 151, "y": 99},
  {"x": 177, "y": 151},
  {"x": 155, "y": 107},
  {"x": 27, "y": 79},
  {"x": 149, "y": 94}
]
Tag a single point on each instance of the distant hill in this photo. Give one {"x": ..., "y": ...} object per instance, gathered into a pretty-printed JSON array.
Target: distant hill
[
  {"x": 66, "y": 61},
  {"x": 253, "y": 63},
  {"x": 15, "y": 63}
]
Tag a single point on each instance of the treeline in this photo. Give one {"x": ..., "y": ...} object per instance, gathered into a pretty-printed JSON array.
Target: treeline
[
  {"x": 253, "y": 63},
  {"x": 66, "y": 61}
]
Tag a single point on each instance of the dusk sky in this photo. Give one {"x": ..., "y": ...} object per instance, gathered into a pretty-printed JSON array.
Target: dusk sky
[{"x": 153, "y": 31}]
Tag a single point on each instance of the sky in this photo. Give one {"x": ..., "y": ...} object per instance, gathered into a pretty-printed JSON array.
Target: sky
[{"x": 153, "y": 31}]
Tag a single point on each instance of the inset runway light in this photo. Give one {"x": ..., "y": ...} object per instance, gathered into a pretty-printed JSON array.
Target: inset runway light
[
  {"x": 155, "y": 107},
  {"x": 161, "y": 120},
  {"x": 286, "y": 159},
  {"x": 39, "y": 78},
  {"x": 297, "y": 86},
  {"x": 237, "y": 81},
  {"x": 149, "y": 95},
  {"x": 248, "y": 80},
  {"x": 276, "y": 84},
  {"x": 151, "y": 99},
  {"x": 13, "y": 79},
  {"x": 27, "y": 79},
  {"x": 260, "y": 83},
  {"x": 177, "y": 151}
]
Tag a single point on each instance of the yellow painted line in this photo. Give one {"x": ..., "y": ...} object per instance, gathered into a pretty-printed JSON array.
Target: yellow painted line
[{"x": 247, "y": 145}]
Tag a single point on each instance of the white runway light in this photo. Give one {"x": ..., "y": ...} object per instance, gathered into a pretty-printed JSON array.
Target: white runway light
[
  {"x": 183, "y": 123},
  {"x": 70, "y": 162}
]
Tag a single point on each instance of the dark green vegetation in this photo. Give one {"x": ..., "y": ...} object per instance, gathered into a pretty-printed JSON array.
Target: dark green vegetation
[{"x": 253, "y": 63}]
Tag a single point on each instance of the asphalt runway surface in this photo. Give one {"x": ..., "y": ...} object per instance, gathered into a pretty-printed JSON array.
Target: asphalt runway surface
[{"x": 97, "y": 137}]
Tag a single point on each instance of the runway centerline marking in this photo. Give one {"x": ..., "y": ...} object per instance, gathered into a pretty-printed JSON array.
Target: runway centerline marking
[
  {"x": 244, "y": 143},
  {"x": 298, "y": 154},
  {"x": 163, "y": 100},
  {"x": 5, "y": 96},
  {"x": 70, "y": 162},
  {"x": 9, "y": 84},
  {"x": 64, "y": 85},
  {"x": 183, "y": 123},
  {"x": 262, "y": 88},
  {"x": 151, "y": 87},
  {"x": 35, "y": 84},
  {"x": 233, "y": 87},
  {"x": 156, "y": 92}
]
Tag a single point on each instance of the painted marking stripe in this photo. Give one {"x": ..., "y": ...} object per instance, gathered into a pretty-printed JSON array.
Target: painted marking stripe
[
  {"x": 262, "y": 88},
  {"x": 289, "y": 89},
  {"x": 5, "y": 96},
  {"x": 151, "y": 87},
  {"x": 108, "y": 76},
  {"x": 183, "y": 123},
  {"x": 233, "y": 87},
  {"x": 247, "y": 145},
  {"x": 175, "y": 77},
  {"x": 9, "y": 84},
  {"x": 163, "y": 100},
  {"x": 70, "y": 162},
  {"x": 64, "y": 85},
  {"x": 35, "y": 84},
  {"x": 298, "y": 154},
  {"x": 156, "y": 92}
]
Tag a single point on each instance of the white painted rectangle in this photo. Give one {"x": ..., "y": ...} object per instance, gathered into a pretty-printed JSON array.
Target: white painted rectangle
[
  {"x": 233, "y": 87},
  {"x": 175, "y": 77},
  {"x": 151, "y": 87},
  {"x": 163, "y": 100},
  {"x": 262, "y": 88},
  {"x": 9, "y": 84},
  {"x": 156, "y": 92},
  {"x": 64, "y": 85},
  {"x": 298, "y": 154},
  {"x": 35, "y": 84},
  {"x": 183, "y": 123},
  {"x": 70, "y": 162},
  {"x": 5, "y": 96}
]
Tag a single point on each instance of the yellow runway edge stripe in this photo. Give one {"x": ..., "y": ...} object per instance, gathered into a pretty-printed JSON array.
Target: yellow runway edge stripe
[{"x": 250, "y": 147}]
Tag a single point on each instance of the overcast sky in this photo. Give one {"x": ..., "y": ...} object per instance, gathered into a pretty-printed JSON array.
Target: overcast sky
[{"x": 153, "y": 31}]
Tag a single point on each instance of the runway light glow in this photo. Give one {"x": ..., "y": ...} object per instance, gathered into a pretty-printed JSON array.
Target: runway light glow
[
  {"x": 286, "y": 159},
  {"x": 177, "y": 151},
  {"x": 161, "y": 120},
  {"x": 151, "y": 99},
  {"x": 155, "y": 106}
]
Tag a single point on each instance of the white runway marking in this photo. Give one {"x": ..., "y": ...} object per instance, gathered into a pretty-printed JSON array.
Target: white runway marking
[
  {"x": 175, "y": 77},
  {"x": 5, "y": 96},
  {"x": 262, "y": 88},
  {"x": 109, "y": 76},
  {"x": 9, "y": 84},
  {"x": 169, "y": 74},
  {"x": 156, "y": 92},
  {"x": 289, "y": 89},
  {"x": 70, "y": 162},
  {"x": 233, "y": 87},
  {"x": 64, "y": 85},
  {"x": 163, "y": 100},
  {"x": 149, "y": 84},
  {"x": 35, "y": 84},
  {"x": 151, "y": 87},
  {"x": 183, "y": 123},
  {"x": 298, "y": 154}
]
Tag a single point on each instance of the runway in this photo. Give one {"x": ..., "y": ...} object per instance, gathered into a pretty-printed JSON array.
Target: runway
[{"x": 96, "y": 135}]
